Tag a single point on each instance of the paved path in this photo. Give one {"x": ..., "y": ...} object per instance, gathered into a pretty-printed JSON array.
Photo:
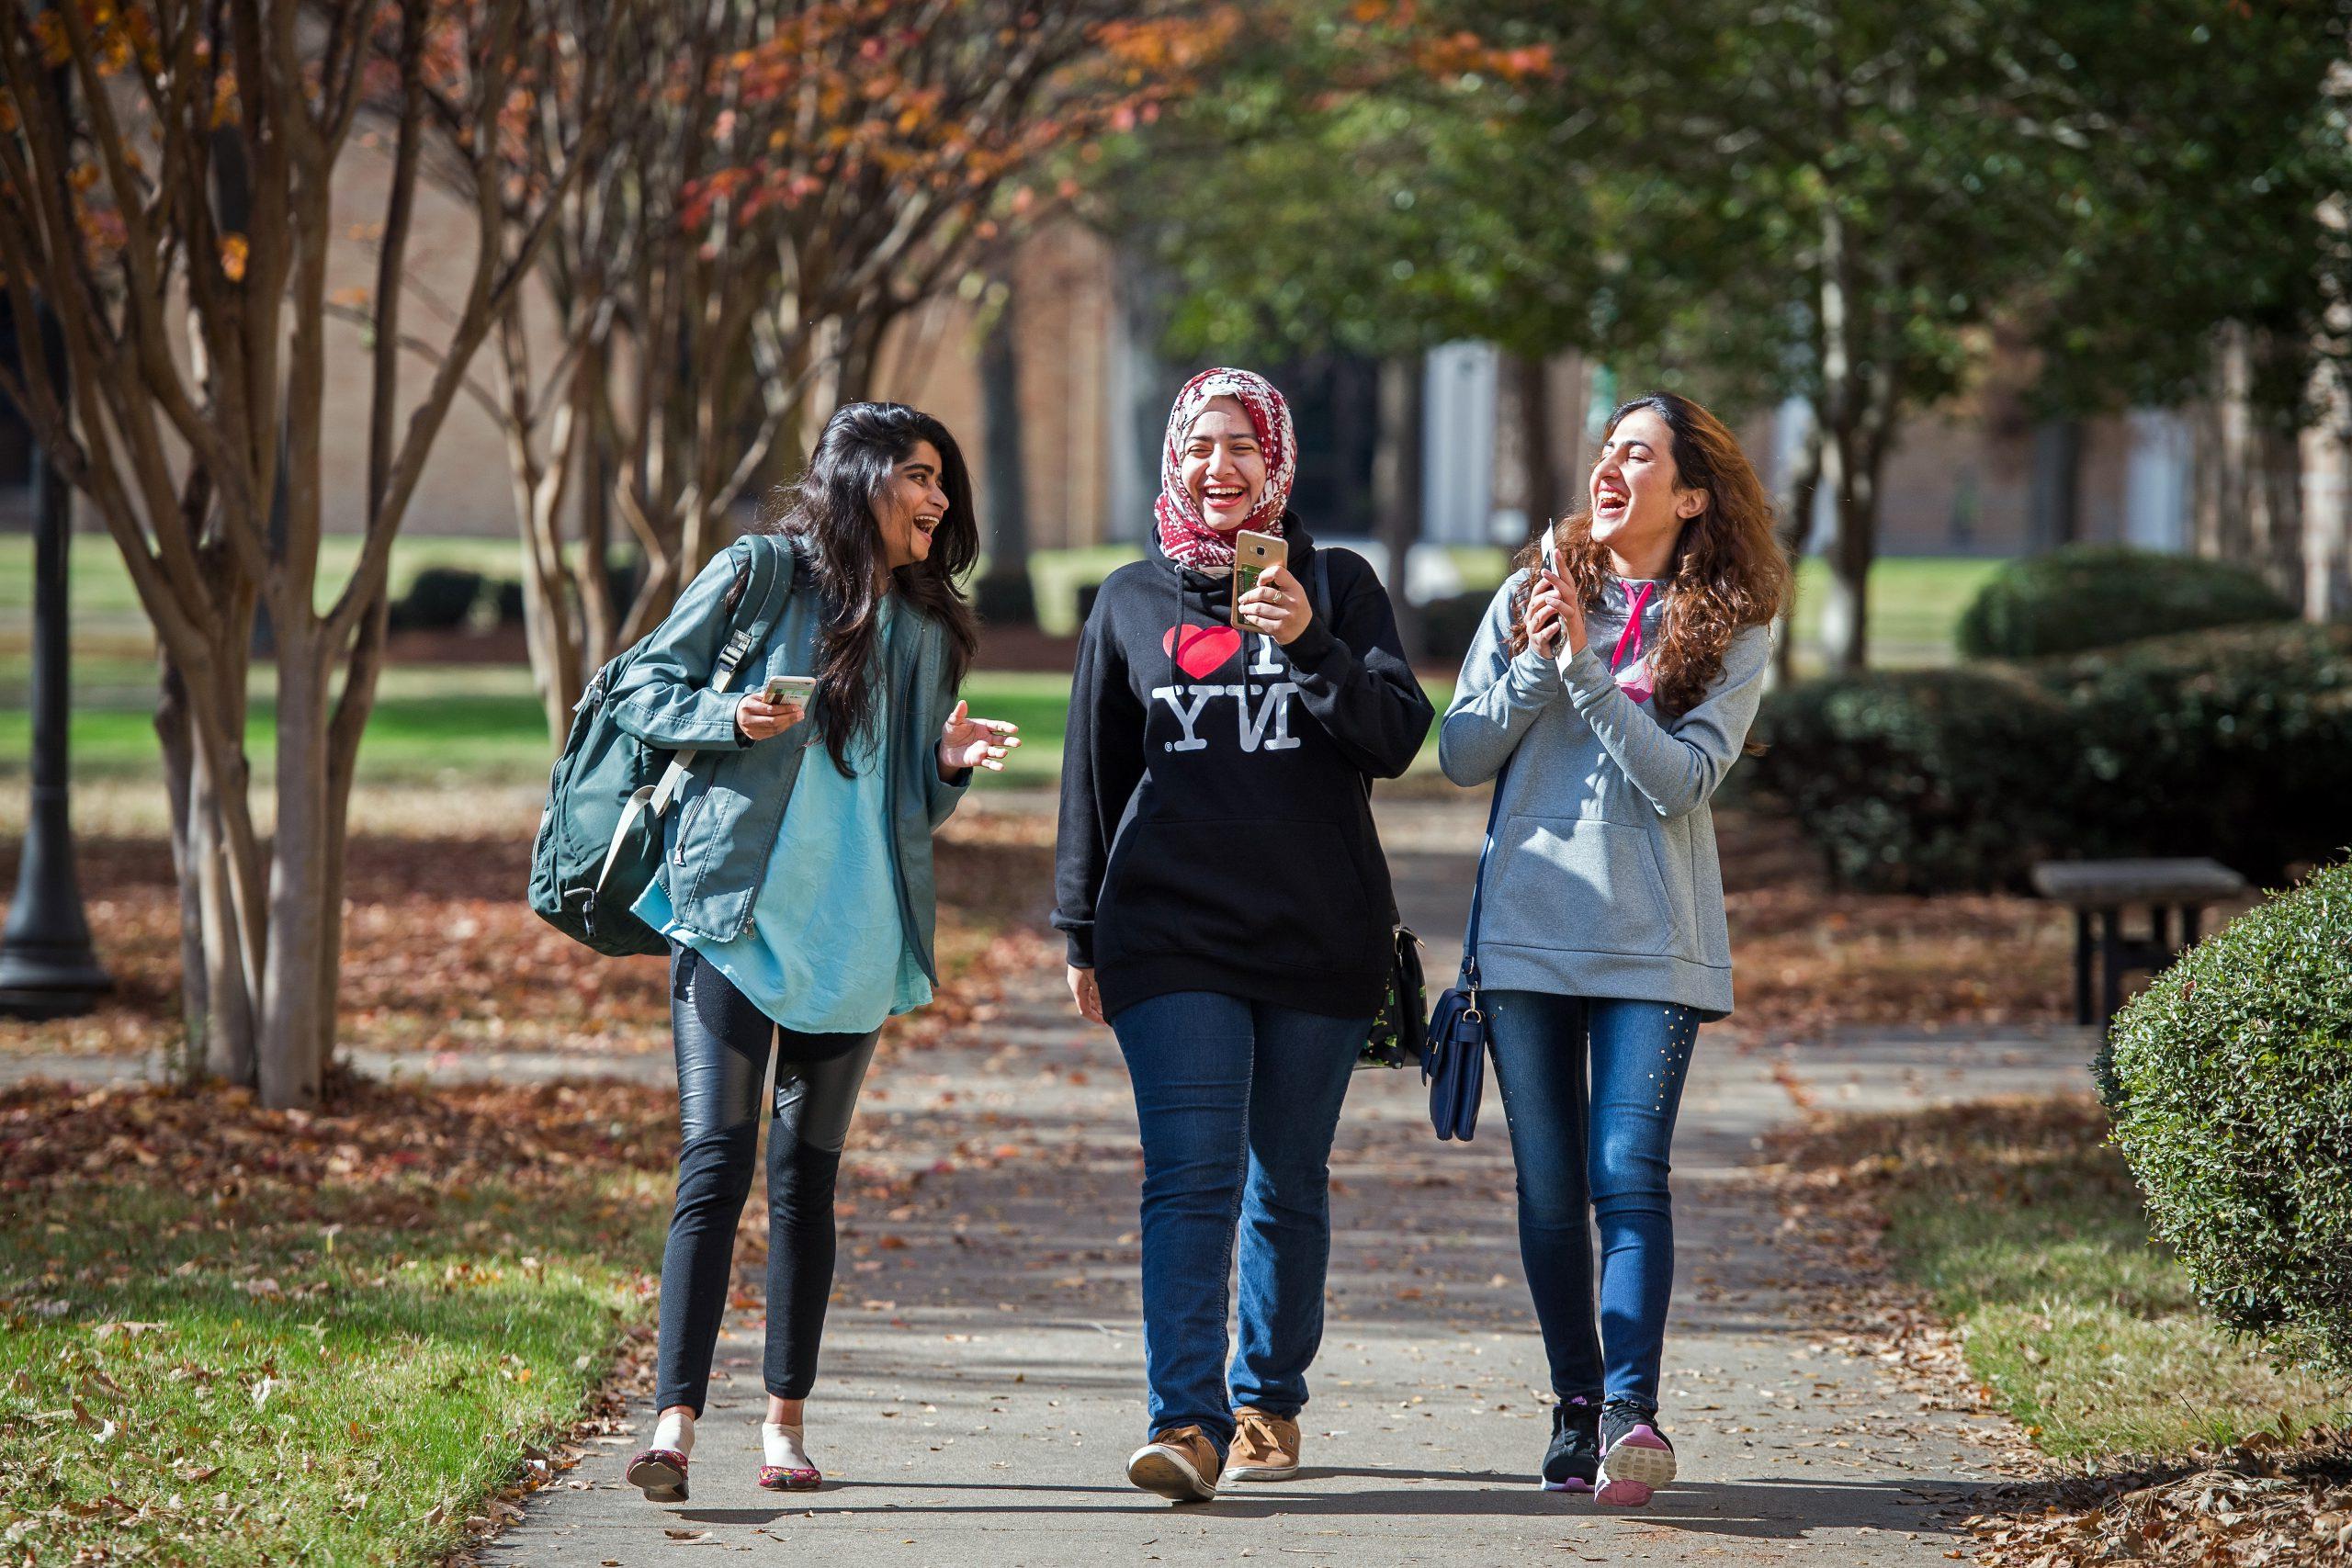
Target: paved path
[
  {"x": 983, "y": 1363},
  {"x": 983, "y": 1380}
]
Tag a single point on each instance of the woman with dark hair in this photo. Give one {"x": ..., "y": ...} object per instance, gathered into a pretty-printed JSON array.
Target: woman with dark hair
[
  {"x": 1608, "y": 692},
  {"x": 1227, "y": 907},
  {"x": 795, "y": 881}
]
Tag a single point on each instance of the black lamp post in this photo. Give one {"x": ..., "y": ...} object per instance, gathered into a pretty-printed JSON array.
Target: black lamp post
[{"x": 47, "y": 966}]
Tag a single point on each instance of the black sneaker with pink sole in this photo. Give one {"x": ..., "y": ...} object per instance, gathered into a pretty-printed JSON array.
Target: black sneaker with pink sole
[{"x": 1635, "y": 1458}]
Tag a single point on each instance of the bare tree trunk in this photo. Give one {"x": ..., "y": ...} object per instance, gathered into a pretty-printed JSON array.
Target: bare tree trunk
[
  {"x": 179, "y": 780},
  {"x": 1396, "y": 488},
  {"x": 1796, "y": 525},
  {"x": 1008, "y": 521},
  {"x": 1532, "y": 375},
  {"x": 2054, "y": 504},
  {"x": 294, "y": 1017},
  {"x": 1856, "y": 421},
  {"x": 2247, "y": 478}
]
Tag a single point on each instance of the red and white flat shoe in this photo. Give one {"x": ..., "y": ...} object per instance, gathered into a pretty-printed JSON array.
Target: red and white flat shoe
[{"x": 659, "y": 1474}]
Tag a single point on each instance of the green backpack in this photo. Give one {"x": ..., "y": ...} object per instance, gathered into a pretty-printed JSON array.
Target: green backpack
[{"x": 600, "y": 837}]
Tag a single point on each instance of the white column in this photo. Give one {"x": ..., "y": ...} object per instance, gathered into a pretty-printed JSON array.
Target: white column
[
  {"x": 1458, "y": 444},
  {"x": 2155, "y": 481}
]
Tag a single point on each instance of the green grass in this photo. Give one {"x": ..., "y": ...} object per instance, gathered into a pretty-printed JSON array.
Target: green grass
[
  {"x": 100, "y": 594},
  {"x": 1915, "y": 609},
  {"x": 337, "y": 1371},
  {"x": 437, "y": 725},
  {"x": 2026, "y": 1229}
]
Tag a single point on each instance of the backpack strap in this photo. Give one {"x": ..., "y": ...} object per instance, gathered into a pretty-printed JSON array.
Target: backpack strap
[{"x": 766, "y": 585}]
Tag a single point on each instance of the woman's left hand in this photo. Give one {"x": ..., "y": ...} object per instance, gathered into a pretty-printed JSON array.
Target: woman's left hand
[
  {"x": 1276, "y": 606},
  {"x": 969, "y": 742}
]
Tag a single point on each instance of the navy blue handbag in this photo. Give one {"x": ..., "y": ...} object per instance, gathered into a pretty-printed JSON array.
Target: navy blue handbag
[{"x": 1454, "y": 1062}]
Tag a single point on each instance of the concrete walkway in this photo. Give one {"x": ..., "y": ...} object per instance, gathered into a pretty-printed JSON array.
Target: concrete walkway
[{"x": 983, "y": 1379}]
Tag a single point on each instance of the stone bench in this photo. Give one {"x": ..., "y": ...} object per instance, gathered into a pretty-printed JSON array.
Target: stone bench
[{"x": 2105, "y": 888}]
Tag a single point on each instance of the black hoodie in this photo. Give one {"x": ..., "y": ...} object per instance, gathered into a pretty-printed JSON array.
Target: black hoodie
[{"x": 1217, "y": 833}]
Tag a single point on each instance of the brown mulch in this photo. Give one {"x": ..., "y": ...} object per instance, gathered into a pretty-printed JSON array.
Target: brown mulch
[
  {"x": 2270, "y": 1502},
  {"x": 1812, "y": 958},
  {"x": 440, "y": 952},
  {"x": 442, "y": 955},
  {"x": 2275, "y": 1501},
  {"x": 218, "y": 1141}
]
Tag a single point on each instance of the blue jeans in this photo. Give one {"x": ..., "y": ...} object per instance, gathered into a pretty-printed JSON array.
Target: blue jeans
[
  {"x": 1602, "y": 1148},
  {"x": 1238, "y": 1101}
]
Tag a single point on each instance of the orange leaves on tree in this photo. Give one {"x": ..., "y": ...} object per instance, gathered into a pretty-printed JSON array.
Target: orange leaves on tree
[
  {"x": 234, "y": 249},
  {"x": 1467, "y": 54},
  {"x": 50, "y": 35}
]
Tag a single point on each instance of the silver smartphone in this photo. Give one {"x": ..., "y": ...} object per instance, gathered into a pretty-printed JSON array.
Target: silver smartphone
[{"x": 789, "y": 689}]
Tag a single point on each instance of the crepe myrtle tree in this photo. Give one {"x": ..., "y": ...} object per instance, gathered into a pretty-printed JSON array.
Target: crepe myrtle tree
[
  {"x": 785, "y": 183},
  {"x": 169, "y": 190}
]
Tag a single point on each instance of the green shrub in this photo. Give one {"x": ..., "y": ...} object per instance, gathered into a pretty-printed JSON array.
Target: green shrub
[
  {"x": 1921, "y": 780},
  {"x": 439, "y": 599},
  {"x": 2087, "y": 596},
  {"x": 2229, "y": 1082},
  {"x": 1449, "y": 624},
  {"x": 2235, "y": 743}
]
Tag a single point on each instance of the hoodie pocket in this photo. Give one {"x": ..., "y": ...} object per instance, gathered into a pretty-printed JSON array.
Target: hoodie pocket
[
  {"x": 1286, "y": 895},
  {"x": 1578, "y": 883}
]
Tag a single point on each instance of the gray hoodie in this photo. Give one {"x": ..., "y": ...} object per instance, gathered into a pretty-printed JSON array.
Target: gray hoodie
[{"x": 1604, "y": 881}]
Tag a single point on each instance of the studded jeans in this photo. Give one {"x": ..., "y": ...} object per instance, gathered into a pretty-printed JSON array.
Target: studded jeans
[{"x": 1591, "y": 1086}]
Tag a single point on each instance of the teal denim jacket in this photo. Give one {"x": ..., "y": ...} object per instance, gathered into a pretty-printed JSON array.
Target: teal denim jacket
[{"x": 726, "y": 819}]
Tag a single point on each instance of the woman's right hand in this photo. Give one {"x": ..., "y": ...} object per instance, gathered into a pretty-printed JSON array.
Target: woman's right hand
[
  {"x": 1088, "y": 995},
  {"x": 758, "y": 718}
]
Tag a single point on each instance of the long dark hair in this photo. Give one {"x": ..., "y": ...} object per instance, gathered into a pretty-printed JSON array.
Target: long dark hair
[
  {"x": 829, "y": 513},
  {"x": 1727, "y": 570}
]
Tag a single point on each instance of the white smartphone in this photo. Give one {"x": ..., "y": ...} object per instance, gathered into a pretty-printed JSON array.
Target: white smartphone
[{"x": 789, "y": 689}]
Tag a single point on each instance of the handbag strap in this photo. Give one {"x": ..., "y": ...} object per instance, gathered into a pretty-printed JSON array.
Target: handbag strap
[
  {"x": 771, "y": 559},
  {"x": 1478, "y": 887},
  {"x": 1318, "y": 596}
]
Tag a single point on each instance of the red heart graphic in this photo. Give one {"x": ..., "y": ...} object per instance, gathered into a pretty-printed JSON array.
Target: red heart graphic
[{"x": 1201, "y": 650}]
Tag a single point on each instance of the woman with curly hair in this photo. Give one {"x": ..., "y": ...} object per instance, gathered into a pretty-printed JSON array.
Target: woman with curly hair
[{"x": 1608, "y": 692}]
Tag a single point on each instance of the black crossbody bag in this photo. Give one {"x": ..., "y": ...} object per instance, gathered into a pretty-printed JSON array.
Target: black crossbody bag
[
  {"x": 1454, "y": 1063},
  {"x": 1396, "y": 1028}
]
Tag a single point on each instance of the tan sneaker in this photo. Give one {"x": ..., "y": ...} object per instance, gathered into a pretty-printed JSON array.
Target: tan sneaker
[
  {"x": 1265, "y": 1446},
  {"x": 1179, "y": 1463}
]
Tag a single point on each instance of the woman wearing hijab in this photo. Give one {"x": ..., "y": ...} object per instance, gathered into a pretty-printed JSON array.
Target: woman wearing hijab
[{"x": 1227, "y": 906}]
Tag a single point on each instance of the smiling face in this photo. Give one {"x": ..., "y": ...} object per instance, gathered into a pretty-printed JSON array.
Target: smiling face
[
  {"x": 1224, "y": 467},
  {"x": 910, "y": 507},
  {"x": 1639, "y": 505}
]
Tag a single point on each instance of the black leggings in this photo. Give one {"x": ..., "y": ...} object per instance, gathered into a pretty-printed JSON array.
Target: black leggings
[{"x": 724, "y": 1043}]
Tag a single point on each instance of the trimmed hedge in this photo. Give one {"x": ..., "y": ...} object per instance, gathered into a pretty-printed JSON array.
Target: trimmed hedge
[
  {"x": 2087, "y": 596},
  {"x": 2234, "y": 743},
  {"x": 2229, "y": 1083},
  {"x": 1919, "y": 781},
  {"x": 439, "y": 599}
]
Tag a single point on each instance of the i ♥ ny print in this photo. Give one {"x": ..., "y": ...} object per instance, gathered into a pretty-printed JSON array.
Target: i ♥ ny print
[{"x": 1262, "y": 710}]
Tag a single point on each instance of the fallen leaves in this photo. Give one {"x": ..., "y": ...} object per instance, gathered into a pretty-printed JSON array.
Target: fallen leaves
[{"x": 2267, "y": 1503}]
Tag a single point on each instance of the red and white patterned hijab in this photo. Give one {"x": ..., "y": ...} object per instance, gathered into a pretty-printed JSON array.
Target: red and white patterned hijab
[{"x": 1184, "y": 534}]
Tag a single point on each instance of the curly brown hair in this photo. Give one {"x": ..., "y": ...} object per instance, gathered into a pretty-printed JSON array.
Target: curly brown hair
[{"x": 1728, "y": 572}]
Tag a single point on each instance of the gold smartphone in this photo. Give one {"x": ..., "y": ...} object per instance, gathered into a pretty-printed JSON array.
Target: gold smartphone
[
  {"x": 789, "y": 689},
  {"x": 1254, "y": 555}
]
